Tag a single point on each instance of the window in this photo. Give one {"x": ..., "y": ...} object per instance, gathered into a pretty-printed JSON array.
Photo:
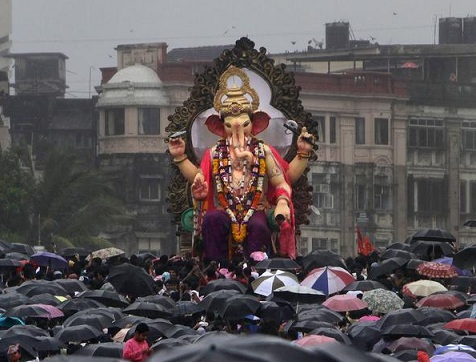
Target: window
[
  {"x": 472, "y": 195},
  {"x": 431, "y": 196},
  {"x": 426, "y": 133},
  {"x": 319, "y": 243},
  {"x": 360, "y": 197},
  {"x": 382, "y": 199},
  {"x": 469, "y": 135},
  {"x": 114, "y": 121},
  {"x": 321, "y": 121},
  {"x": 332, "y": 130},
  {"x": 359, "y": 130},
  {"x": 462, "y": 197},
  {"x": 381, "y": 131},
  {"x": 149, "y": 121},
  {"x": 323, "y": 198},
  {"x": 149, "y": 188}
]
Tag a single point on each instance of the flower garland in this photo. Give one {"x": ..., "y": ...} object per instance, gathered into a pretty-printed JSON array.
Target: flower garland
[{"x": 239, "y": 208}]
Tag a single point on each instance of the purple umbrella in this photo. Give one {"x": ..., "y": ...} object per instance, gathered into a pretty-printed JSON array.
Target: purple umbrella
[{"x": 51, "y": 260}]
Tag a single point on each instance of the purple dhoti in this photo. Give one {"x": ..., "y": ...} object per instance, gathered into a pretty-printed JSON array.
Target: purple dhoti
[{"x": 216, "y": 228}]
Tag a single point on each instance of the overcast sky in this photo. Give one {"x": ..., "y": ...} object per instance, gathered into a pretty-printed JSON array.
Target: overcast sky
[{"x": 87, "y": 31}]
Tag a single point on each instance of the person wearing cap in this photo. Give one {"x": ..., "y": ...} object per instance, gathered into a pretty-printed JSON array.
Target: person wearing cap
[{"x": 14, "y": 353}]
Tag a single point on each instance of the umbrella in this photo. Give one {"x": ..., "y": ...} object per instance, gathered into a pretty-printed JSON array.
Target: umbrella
[
  {"x": 299, "y": 294},
  {"x": 318, "y": 313},
  {"x": 465, "y": 258},
  {"x": 13, "y": 299},
  {"x": 51, "y": 260},
  {"x": 409, "y": 65},
  {"x": 399, "y": 246},
  {"x": 364, "y": 286},
  {"x": 332, "y": 332},
  {"x": 364, "y": 335},
  {"x": 72, "y": 306},
  {"x": 71, "y": 358},
  {"x": 454, "y": 347},
  {"x": 7, "y": 322},
  {"x": 47, "y": 344},
  {"x": 403, "y": 316},
  {"x": 33, "y": 287},
  {"x": 328, "y": 280},
  {"x": 93, "y": 320},
  {"x": 387, "y": 266},
  {"x": 131, "y": 280},
  {"x": 431, "y": 249},
  {"x": 78, "y": 333},
  {"x": 46, "y": 298},
  {"x": 168, "y": 343},
  {"x": 107, "y": 349},
  {"x": 464, "y": 324},
  {"x": 17, "y": 256},
  {"x": 435, "y": 315},
  {"x": 413, "y": 264},
  {"x": 21, "y": 248},
  {"x": 220, "y": 284},
  {"x": 238, "y": 306},
  {"x": 344, "y": 303},
  {"x": 72, "y": 286},
  {"x": 148, "y": 309},
  {"x": 256, "y": 348},
  {"x": 453, "y": 357},
  {"x": 214, "y": 300},
  {"x": 382, "y": 301},
  {"x": 440, "y": 235},
  {"x": 449, "y": 261},
  {"x": 167, "y": 302},
  {"x": 397, "y": 253},
  {"x": 105, "y": 253},
  {"x": 406, "y": 330},
  {"x": 444, "y": 337},
  {"x": 258, "y": 256},
  {"x": 422, "y": 288},
  {"x": 277, "y": 263},
  {"x": 6, "y": 264},
  {"x": 412, "y": 343},
  {"x": 435, "y": 270},
  {"x": 271, "y": 280},
  {"x": 34, "y": 311},
  {"x": 158, "y": 328},
  {"x": 443, "y": 301},
  {"x": 106, "y": 297},
  {"x": 72, "y": 251},
  {"x": 276, "y": 312},
  {"x": 183, "y": 308},
  {"x": 322, "y": 258},
  {"x": 338, "y": 352},
  {"x": 313, "y": 340}
]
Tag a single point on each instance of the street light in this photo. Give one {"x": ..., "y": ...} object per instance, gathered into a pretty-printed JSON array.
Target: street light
[{"x": 89, "y": 88}]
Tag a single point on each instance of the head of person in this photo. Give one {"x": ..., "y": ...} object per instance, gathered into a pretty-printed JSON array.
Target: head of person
[
  {"x": 141, "y": 332},
  {"x": 13, "y": 352}
]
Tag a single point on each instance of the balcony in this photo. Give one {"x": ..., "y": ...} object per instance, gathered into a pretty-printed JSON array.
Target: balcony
[{"x": 442, "y": 94}]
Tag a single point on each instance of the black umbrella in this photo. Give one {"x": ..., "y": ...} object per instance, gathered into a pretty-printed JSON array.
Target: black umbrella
[
  {"x": 72, "y": 306},
  {"x": 399, "y": 246},
  {"x": 168, "y": 343},
  {"x": 106, "y": 297},
  {"x": 47, "y": 344},
  {"x": 71, "y": 358},
  {"x": 158, "y": 328},
  {"x": 33, "y": 287},
  {"x": 13, "y": 299},
  {"x": 107, "y": 349},
  {"x": 238, "y": 306},
  {"x": 72, "y": 251},
  {"x": 440, "y": 235},
  {"x": 319, "y": 313},
  {"x": 148, "y": 309},
  {"x": 32, "y": 311},
  {"x": 444, "y": 336},
  {"x": 364, "y": 335},
  {"x": 131, "y": 280},
  {"x": 185, "y": 307},
  {"x": 72, "y": 286},
  {"x": 46, "y": 298},
  {"x": 406, "y": 330},
  {"x": 257, "y": 348},
  {"x": 321, "y": 258},
  {"x": 222, "y": 284},
  {"x": 22, "y": 248},
  {"x": 387, "y": 267},
  {"x": 9, "y": 264},
  {"x": 435, "y": 315},
  {"x": 395, "y": 253},
  {"x": 333, "y": 333},
  {"x": 167, "y": 302},
  {"x": 431, "y": 249},
  {"x": 364, "y": 285},
  {"x": 275, "y": 311},
  {"x": 93, "y": 320},
  {"x": 178, "y": 330},
  {"x": 413, "y": 263},
  {"x": 306, "y": 326},
  {"x": 402, "y": 316},
  {"x": 214, "y": 300},
  {"x": 17, "y": 256},
  {"x": 277, "y": 263},
  {"x": 80, "y": 333},
  {"x": 298, "y": 294},
  {"x": 465, "y": 258},
  {"x": 338, "y": 352}
]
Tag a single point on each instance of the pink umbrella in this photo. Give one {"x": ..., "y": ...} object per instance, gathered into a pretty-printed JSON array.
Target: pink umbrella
[
  {"x": 369, "y": 318},
  {"x": 258, "y": 255},
  {"x": 344, "y": 303},
  {"x": 313, "y": 340},
  {"x": 409, "y": 65},
  {"x": 50, "y": 311}
]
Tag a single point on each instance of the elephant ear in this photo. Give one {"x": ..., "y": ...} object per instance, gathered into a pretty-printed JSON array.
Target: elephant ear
[
  {"x": 215, "y": 125},
  {"x": 260, "y": 122}
]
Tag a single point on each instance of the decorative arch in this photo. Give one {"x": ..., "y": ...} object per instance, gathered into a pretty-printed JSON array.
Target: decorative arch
[{"x": 284, "y": 97}]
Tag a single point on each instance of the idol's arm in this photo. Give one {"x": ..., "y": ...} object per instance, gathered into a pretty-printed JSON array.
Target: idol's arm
[
  {"x": 277, "y": 180},
  {"x": 299, "y": 163}
]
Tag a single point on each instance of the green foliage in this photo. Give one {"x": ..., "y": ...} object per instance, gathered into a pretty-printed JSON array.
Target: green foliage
[{"x": 17, "y": 188}]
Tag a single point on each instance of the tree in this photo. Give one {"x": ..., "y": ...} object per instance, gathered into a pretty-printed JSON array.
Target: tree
[
  {"x": 17, "y": 188},
  {"x": 74, "y": 202}
]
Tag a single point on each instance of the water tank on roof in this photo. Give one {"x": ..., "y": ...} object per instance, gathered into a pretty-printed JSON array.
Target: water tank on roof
[
  {"x": 469, "y": 30},
  {"x": 450, "y": 30},
  {"x": 337, "y": 35}
]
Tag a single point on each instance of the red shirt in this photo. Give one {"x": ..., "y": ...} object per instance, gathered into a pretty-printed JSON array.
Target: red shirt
[{"x": 134, "y": 350}]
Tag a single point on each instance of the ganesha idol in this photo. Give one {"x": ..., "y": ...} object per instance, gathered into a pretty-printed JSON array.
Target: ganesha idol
[{"x": 241, "y": 179}]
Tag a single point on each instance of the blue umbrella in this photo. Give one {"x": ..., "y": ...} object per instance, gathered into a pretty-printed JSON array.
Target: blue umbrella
[
  {"x": 449, "y": 261},
  {"x": 51, "y": 260},
  {"x": 10, "y": 321}
]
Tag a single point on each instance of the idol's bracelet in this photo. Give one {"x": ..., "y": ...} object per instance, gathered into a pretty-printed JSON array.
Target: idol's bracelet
[
  {"x": 180, "y": 160},
  {"x": 304, "y": 155}
]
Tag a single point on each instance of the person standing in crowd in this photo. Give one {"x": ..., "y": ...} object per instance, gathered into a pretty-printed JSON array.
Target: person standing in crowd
[
  {"x": 14, "y": 354},
  {"x": 137, "y": 348}
]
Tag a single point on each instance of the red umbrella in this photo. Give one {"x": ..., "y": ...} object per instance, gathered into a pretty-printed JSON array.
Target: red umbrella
[
  {"x": 409, "y": 65},
  {"x": 437, "y": 270},
  {"x": 443, "y": 301},
  {"x": 463, "y": 324},
  {"x": 344, "y": 303}
]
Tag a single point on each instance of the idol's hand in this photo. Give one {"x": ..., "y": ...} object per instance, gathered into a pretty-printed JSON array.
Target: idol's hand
[
  {"x": 176, "y": 147},
  {"x": 302, "y": 145},
  {"x": 282, "y": 208},
  {"x": 199, "y": 188}
]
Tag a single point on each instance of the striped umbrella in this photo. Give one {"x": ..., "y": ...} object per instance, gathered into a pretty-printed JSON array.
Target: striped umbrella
[
  {"x": 271, "y": 280},
  {"x": 329, "y": 280}
]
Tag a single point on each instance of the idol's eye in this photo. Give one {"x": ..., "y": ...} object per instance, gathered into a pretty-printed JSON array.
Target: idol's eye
[
  {"x": 246, "y": 124},
  {"x": 227, "y": 125}
]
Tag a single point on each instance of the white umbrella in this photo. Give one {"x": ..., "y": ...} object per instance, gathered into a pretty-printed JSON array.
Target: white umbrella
[{"x": 271, "y": 280}]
